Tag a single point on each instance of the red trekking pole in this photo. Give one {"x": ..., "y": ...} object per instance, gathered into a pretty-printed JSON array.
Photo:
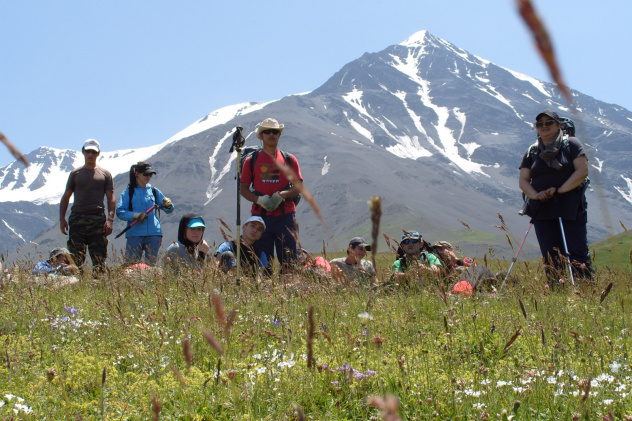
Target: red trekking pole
[{"x": 148, "y": 211}]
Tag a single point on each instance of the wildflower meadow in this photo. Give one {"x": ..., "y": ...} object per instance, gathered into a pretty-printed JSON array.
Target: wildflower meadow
[{"x": 195, "y": 346}]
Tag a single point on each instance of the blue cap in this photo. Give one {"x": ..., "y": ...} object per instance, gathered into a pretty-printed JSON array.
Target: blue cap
[
  {"x": 196, "y": 223},
  {"x": 413, "y": 235}
]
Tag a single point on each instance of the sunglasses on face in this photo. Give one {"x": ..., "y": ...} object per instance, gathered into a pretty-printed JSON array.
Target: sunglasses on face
[
  {"x": 270, "y": 131},
  {"x": 409, "y": 240},
  {"x": 546, "y": 123},
  {"x": 91, "y": 151}
]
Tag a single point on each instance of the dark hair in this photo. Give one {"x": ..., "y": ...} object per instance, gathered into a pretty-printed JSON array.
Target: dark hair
[
  {"x": 137, "y": 167},
  {"x": 182, "y": 231}
]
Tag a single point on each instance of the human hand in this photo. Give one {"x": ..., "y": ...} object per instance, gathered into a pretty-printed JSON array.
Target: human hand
[
  {"x": 166, "y": 203},
  {"x": 63, "y": 224},
  {"x": 140, "y": 217},
  {"x": 107, "y": 227},
  {"x": 264, "y": 202},
  {"x": 275, "y": 200},
  {"x": 203, "y": 247}
]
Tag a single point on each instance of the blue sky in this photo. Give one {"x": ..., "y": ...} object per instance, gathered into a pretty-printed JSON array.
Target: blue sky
[{"x": 134, "y": 73}]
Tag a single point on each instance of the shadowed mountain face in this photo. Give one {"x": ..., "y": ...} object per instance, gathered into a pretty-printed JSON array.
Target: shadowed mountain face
[{"x": 436, "y": 132}]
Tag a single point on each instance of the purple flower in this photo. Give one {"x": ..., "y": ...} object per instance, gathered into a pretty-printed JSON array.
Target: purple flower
[
  {"x": 335, "y": 383},
  {"x": 345, "y": 367},
  {"x": 65, "y": 318},
  {"x": 365, "y": 331},
  {"x": 370, "y": 373},
  {"x": 71, "y": 310},
  {"x": 276, "y": 323},
  {"x": 359, "y": 375}
]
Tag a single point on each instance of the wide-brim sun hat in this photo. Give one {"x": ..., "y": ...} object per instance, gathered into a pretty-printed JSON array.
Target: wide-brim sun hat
[{"x": 269, "y": 123}]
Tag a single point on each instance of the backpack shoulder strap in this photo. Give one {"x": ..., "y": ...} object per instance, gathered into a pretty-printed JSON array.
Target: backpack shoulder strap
[
  {"x": 287, "y": 158},
  {"x": 131, "y": 194},
  {"x": 532, "y": 151},
  {"x": 253, "y": 158}
]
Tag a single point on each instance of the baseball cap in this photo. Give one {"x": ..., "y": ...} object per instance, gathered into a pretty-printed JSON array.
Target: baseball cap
[
  {"x": 443, "y": 245},
  {"x": 196, "y": 223},
  {"x": 255, "y": 218},
  {"x": 145, "y": 169},
  {"x": 549, "y": 113},
  {"x": 359, "y": 241},
  {"x": 91, "y": 145},
  {"x": 57, "y": 251},
  {"x": 413, "y": 235}
]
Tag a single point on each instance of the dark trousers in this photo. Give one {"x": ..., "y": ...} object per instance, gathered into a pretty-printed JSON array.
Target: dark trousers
[
  {"x": 279, "y": 234},
  {"x": 86, "y": 231},
  {"x": 552, "y": 246}
]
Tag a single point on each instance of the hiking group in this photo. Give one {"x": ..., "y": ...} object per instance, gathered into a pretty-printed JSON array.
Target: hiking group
[{"x": 552, "y": 177}]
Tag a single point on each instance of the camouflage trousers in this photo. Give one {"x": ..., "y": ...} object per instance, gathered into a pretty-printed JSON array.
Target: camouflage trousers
[{"x": 86, "y": 231}]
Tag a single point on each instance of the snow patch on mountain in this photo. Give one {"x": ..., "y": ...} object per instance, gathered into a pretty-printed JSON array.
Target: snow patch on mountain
[
  {"x": 326, "y": 166},
  {"x": 213, "y": 189},
  {"x": 415, "y": 40},
  {"x": 535, "y": 82},
  {"x": 13, "y": 230},
  {"x": 217, "y": 117},
  {"x": 44, "y": 181},
  {"x": 626, "y": 195}
]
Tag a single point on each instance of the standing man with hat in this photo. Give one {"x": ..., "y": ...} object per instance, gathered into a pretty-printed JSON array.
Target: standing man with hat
[
  {"x": 88, "y": 227},
  {"x": 272, "y": 194}
]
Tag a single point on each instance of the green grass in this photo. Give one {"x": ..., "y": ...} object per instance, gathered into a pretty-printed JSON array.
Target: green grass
[{"x": 531, "y": 353}]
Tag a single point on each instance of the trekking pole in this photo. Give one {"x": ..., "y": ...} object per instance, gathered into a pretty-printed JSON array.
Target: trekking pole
[
  {"x": 566, "y": 254},
  {"x": 238, "y": 143},
  {"x": 515, "y": 258},
  {"x": 148, "y": 211}
]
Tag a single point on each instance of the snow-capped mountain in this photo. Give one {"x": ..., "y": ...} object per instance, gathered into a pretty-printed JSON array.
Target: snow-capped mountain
[{"x": 436, "y": 131}]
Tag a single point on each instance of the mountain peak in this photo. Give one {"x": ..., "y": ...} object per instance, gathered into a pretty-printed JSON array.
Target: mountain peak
[{"x": 416, "y": 39}]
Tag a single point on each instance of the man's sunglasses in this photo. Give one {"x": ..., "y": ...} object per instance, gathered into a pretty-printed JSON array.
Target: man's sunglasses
[
  {"x": 409, "y": 240},
  {"x": 270, "y": 131},
  {"x": 546, "y": 123}
]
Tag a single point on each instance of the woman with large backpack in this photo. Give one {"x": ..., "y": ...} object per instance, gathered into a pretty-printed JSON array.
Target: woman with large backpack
[
  {"x": 141, "y": 202},
  {"x": 553, "y": 177}
]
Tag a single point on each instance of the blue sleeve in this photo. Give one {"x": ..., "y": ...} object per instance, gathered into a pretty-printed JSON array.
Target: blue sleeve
[
  {"x": 161, "y": 196},
  {"x": 263, "y": 260},
  {"x": 122, "y": 208},
  {"x": 223, "y": 248}
]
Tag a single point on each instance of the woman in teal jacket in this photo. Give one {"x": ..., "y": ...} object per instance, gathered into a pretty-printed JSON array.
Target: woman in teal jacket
[{"x": 146, "y": 235}]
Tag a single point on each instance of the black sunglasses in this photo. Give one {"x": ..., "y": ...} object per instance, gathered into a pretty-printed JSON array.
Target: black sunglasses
[
  {"x": 409, "y": 240},
  {"x": 546, "y": 123},
  {"x": 270, "y": 131}
]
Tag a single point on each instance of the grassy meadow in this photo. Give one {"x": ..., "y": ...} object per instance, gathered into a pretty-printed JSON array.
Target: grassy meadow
[{"x": 152, "y": 345}]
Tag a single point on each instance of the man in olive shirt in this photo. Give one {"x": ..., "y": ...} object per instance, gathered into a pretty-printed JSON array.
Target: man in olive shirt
[{"x": 88, "y": 226}]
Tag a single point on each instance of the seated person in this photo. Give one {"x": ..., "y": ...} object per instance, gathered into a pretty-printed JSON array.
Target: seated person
[
  {"x": 414, "y": 255},
  {"x": 464, "y": 269},
  {"x": 318, "y": 266},
  {"x": 252, "y": 259},
  {"x": 57, "y": 264},
  {"x": 190, "y": 247},
  {"x": 354, "y": 266}
]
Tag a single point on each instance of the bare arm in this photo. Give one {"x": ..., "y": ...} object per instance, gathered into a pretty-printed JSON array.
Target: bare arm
[
  {"x": 244, "y": 190},
  {"x": 107, "y": 227},
  {"x": 577, "y": 177},
  {"x": 63, "y": 208}
]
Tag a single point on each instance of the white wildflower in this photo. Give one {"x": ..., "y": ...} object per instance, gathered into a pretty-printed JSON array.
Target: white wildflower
[
  {"x": 365, "y": 316},
  {"x": 615, "y": 366}
]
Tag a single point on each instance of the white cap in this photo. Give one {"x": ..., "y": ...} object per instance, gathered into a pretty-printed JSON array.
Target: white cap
[
  {"x": 255, "y": 218},
  {"x": 91, "y": 145}
]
